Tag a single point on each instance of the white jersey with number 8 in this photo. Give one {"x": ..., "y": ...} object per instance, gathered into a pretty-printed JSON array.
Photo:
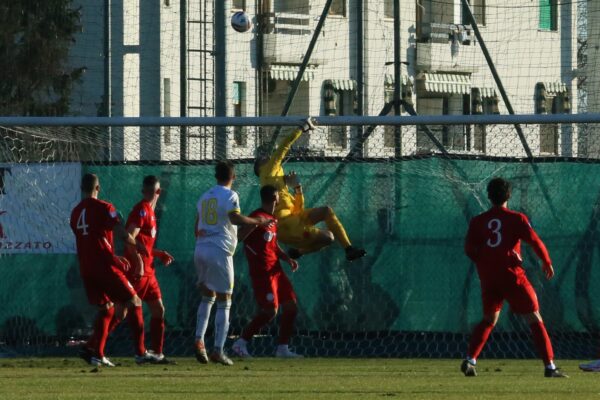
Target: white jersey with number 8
[{"x": 214, "y": 208}]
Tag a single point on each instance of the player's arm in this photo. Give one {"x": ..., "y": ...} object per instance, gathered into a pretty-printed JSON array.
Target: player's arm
[
  {"x": 163, "y": 256},
  {"x": 283, "y": 256},
  {"x": 471, "y": 248},
  {"x": 134, "y": 256},
  {"x": 244, "y": 231},
  {"x": 284, "y": 147},
  {"x": 530, "y": 237},
  {"x": 292, "y": 180},
  {"x": 239, "y": 219}
]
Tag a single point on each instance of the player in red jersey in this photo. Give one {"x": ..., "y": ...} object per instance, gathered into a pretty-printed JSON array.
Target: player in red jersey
[
  {"x": 141, "y": 225},
  {"x": 272, "y": 288},
  {"x": 93, "y": 222},
  {"x": 493, "y": 243}
]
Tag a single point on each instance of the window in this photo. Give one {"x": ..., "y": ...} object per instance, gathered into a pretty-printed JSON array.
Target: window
[
  {"x": 338, "y": 7},
  {"x": 167, "y": 3},
  {"x": 339, "y": 98},
  {"x": 478, "y": 8},
  {"x": 548, "y": 15},
  {"x": 551, "y": 99},
  {"x": 239, "y": 110},
  {"x": 292, "y": 6},
  {"x": 344, "y": 102},
  {"x": 388, "y": 8},
  {"x": 238, "y": 4},
  {"x": 452, "y": 137}
]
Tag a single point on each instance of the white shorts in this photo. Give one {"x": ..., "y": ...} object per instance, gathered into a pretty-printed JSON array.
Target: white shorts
[{"x": 214, "y": 267}]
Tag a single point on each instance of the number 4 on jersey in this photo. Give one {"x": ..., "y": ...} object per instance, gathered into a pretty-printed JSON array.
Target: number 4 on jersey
[{"x": 81, "y": 224}]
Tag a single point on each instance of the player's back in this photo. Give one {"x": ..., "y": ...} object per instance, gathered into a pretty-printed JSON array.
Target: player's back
[
  {"x": 92, "y": 221},
  {"x": 214, "y": 208},
  {"x": 494, "y": 241}
]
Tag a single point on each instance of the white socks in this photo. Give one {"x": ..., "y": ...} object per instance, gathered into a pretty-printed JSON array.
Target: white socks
[
  {"x": 283, "y": 348},
  {"x": 203, "y": 315},
  {"x": 222, "y": 324},
  {"x": 551, "y": 365}
]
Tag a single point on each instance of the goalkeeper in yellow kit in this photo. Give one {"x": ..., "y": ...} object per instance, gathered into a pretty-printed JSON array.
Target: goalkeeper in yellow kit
[{"x": 296, "y": 224}]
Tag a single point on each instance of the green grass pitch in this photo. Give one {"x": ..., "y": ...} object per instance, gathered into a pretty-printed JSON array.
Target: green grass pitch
[{"x": 318, "y": 378}]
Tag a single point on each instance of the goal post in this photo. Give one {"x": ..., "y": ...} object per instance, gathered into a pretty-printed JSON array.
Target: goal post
[{"x": 414, "y": 294}]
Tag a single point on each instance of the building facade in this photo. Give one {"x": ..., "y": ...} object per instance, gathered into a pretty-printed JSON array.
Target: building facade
[{"x": 182, "y": 58}]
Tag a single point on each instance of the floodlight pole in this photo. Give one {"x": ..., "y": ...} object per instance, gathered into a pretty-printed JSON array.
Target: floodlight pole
[
  {"x": 490, "y": 62},
  {"x": 296, "y": 83}
]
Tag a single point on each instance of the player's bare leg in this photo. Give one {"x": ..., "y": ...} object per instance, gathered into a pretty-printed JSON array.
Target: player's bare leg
[
  {"x": 543, "y": 344},
  {"x": 289, "y": 311},
  {"x": 202, "y": 316},
  {"x": 327, "y": 215},
  {"x": 479, "y": 337}
]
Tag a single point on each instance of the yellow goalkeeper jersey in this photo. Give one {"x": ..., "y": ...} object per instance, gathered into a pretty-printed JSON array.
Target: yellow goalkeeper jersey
[{"x": 271, "y": 173}]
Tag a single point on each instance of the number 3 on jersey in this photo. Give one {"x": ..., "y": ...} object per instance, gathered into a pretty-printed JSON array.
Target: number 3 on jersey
[
  {"x": 81, "y": 224},
  {"x": 495, "y": 225},
  {"x": 209, "y": 211}
]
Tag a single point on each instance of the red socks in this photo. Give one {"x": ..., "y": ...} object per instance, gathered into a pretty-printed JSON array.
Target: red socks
[
  {"x": 286, "y": 325},
  {"x": 542, "y": 342},
  {"x": 97, "y": 340},
  {"x": 157, "y": 333},
  {"x": 260, "y": 320},
  {"x": 480, "y": 335},
  {"x": 136, "y": 323}
]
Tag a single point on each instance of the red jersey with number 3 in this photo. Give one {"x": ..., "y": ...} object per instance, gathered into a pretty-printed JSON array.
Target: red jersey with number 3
[
  {"x": 493, "y": 242},
  {"x": 92, "y": 221},
  {"x": 261, "y": 246},
  {"x": 142, "y": 216}
]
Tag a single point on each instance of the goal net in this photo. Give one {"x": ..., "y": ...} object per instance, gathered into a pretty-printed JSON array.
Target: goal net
[{"x": 404, "y": 193}]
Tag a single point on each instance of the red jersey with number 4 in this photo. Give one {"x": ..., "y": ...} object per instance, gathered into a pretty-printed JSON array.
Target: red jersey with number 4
[
  {"x": 261, "y": 246},
  {"x": 92, "y": 221},
  {"x": 142, "y": 217},
  {"x": 493, "y": 242}
]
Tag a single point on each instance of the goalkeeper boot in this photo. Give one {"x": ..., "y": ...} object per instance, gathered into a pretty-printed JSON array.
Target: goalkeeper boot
[
  {"x": 468, "y": 369},
  {"x": 219, "y": 357},
  {"x": 201, "y": 355},
  {"x": 554, "y": 373},
  {"x": 354, "y": 253}
]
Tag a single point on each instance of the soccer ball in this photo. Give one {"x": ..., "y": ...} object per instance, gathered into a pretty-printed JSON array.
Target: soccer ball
[{"x": 240, "y": 21}]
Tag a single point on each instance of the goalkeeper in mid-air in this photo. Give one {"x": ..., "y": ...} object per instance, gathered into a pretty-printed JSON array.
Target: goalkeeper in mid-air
[{"x": 296, "y": 224}]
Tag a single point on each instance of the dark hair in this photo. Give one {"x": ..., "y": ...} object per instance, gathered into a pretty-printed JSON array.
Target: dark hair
[
  {"x": 499, "y": 191},
  {"x": 267, "y": 193},
  {"x": 224, "y": 171},
  {"x": 89, "y": 183},
  {"x": 260, "y": 160},
  {"x": 150, "y": 181}
]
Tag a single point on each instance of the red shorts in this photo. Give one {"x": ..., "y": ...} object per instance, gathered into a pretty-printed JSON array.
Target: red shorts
[
  {"x": 106, "y": 285},
  {"x": 520, "y": 295},
  {"x": 271, "y": 290},
  {"x": 147, "y": 288}
]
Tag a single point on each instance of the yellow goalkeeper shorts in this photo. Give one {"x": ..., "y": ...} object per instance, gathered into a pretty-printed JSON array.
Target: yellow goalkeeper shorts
[{"x": 296, "y": 230}]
